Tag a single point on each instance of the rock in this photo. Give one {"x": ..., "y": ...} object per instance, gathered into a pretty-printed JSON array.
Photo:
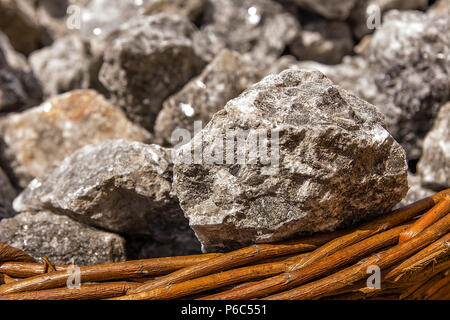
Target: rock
[
  {"x": 151, "y": 58},
  {"x": 261, "y": 28},
  {"x": 18, "y": 86},
  {"x": 7, "y": 195},
  {"x": 191, "y": 9},
  {"x": 120, "y": 186},
  {"x": 37, "y": 140},
  {"x": 19, "y": 22},
  {"x": 434, "y": 165},
  {"x": 416, "y": 191},
  {"x": 413, "y": 75},
  {"x": 61, "y": 239},
  {"x": 323, "y": 41},
  {"x": 370, "y": 12},
  {"x": 331, "y": 9},
  {"x": 440, "y": 8},
  {"x": 223, "y": 79},
  {"x": 335, "y": 164},
  {"x": 103, "y": 17},
  {"x": 63, "y": 66}
]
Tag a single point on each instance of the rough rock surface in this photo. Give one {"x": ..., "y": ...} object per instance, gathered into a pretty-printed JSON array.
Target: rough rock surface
[
  {"x": 223, "y": 79},
  {"x": 440, "y": 8},
  {"x": 192, "y": 9},
  {"x": 121, "y": 186},
  {"x": 323, "y": 41},
  {"x": 7, "y": 195},
  {"x": 337, "y": 164},
  {"x": 261, "y": 28},
  {"x": 61, "y": 239},
  {"x": 434, "y": 165},
  {"x": 331, "y": 9},
  {"x": 365, "y": 10},
  {"x": 35, "y": 141},
  {"x": 416, "y": 191},
  {"x": 151, "y": 58},
  {"x": 18, "y": 86},
  {"x": 19, "y": 22},
  {"x": 410, "y": 59},
  {"x": 60, "y": 69}
]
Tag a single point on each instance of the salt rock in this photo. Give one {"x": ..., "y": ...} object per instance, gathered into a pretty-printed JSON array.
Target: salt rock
[
  {"x": 331, "y": 9},
  {"x": 151, "y": 58},
  {"x": 7, "y": 195},
  {"x": 18, "y": 85},
  {"x": 260, "y": 28},
  {"x": 323, "y": 41},
  {"x": 60, "y": 69},
  {"x": 19, "y": 22},
  {"x": 367, "y": 13},
  {"x": 61, "y": 239},
  {"x": 37, "y": 140},
  {"x": 434, "y": 165},
  {"x": 332, "y": 164},
  {"x": 413, "y": 74},
  {"x": 117, "y": 185},
  {"x": 192, "y": 9},
  {"x": 223, "y": 79}
]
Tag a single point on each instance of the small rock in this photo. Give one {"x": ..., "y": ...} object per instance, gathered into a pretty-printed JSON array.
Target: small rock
[
  {"x": 19, "y": 22},
  {"x": 261, "y": 28},
  {"x": 331, "y": 9},
  {"x": 35, "y": 141},
  {"x": 191, "y": 9},
  {"x": 61, "y": 239},
  {"x": 151, "y": 58},
  {"x": 323, "y": 41},
  {"x": 416, "y": 191},
  {"x": 434, "y": 165},
  {"x": 370, "y": 12},
  {"x": 63, "y": 66},
  {"x": 18, "y": 86},
  {"x": 7, "y": 195},
  {"x": 223, "y": 79},
  {"x": 120, "y": 186},
  {"x": 337, "y": 164}
]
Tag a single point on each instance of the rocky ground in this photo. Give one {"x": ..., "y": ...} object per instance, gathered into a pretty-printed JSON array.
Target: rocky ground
[{"x": 133, "y": 129}]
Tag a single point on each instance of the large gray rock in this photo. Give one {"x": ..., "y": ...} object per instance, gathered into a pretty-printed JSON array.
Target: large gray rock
[
  {"x": 337, "y": 164},
  {"x": 261, "y": 28},
  {"x": 365, "y": 13},
  {"x": 7, "y": 195},
  {"x": 323, "y": 41},
  {"x": 434, "y": 165},
  {"x": 223, "y": 79},
  {"x": 331, "y": 9},
  {"x": 18, "y": 85},
  {"x": 151, "y": 58},
  {"x": 37, "y": 140},
  {"x": 63, "y": 66},
  {"x": 61, "y": 239},
  {"x": 117, "y": 185}
]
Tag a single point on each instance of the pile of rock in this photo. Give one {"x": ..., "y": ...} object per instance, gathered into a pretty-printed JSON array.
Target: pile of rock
[{"x": 132, "y": 129}]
